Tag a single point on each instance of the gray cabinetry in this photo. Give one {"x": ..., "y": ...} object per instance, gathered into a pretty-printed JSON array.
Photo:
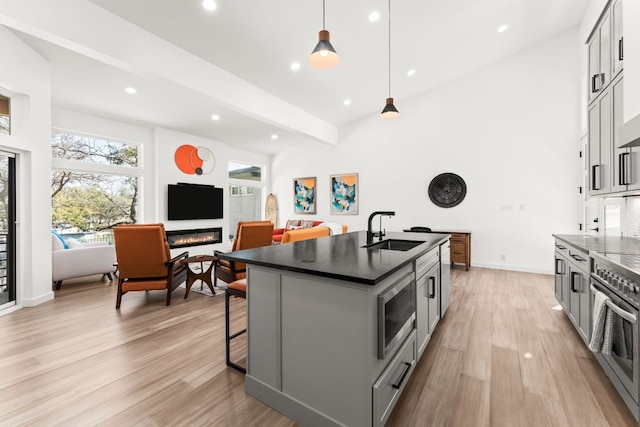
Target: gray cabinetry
[
  {"x": 445, "y": 277},
  {"x": 427, "y": 297},
  {"x": 600, "y": 56},
  {"x": 600, "y": 148},
  {"x": 612, "y": 170},
  {"x": 622, "y": 161},
  {"x": 572, "y": 286},
  {"x": 617, "y": 39},
  {"x": 562, "y": 281},
  {"x": 388, "y": 388}
]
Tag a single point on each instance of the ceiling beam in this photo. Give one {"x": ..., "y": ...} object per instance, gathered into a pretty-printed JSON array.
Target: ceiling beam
[{"x": 84, "y": 28}]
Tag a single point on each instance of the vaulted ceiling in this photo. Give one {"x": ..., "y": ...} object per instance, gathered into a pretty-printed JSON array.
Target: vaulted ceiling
[{"x": 188, "y": 63}]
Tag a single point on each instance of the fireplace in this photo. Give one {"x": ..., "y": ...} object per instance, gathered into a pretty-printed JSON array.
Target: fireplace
[{"x": 194, "y": 237}]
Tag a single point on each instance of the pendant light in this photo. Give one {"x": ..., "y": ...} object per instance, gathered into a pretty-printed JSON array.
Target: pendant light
[
  {"x": 389, "y": 111},
  {"x": 324, "y": 55}
]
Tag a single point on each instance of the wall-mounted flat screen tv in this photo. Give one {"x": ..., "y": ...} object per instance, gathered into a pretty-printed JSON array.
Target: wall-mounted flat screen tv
[{"x": 194, "y": 201}]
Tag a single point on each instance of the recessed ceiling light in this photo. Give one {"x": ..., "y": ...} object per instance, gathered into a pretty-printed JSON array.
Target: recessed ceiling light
[
  {"x": 374, "y": 16},
  {"x": 503, "y": 28},
  {"x": 215, "y": 117},
  {"x": 295, "y": 66},
  {"x": 210, "y": 5},
  {"x": 411, "y": 73},
  {"x": 347, "y": 102},
  {"x": 130, "y": 90},
  {"x": 274, "y": 136}
]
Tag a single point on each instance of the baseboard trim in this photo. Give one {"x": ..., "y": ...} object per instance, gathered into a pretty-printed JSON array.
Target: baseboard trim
[
  {"x": 286, "y": 405},
  {"x": 32, "y": 302},
  {"x": 511, "y": 267}
]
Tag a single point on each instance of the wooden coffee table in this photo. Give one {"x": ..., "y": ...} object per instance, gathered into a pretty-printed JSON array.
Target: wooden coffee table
[{"x": 204, "y": 276}]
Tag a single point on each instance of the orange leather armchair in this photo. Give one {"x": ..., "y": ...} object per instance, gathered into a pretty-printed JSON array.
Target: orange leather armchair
[
  {"x": 249, "y": 235},
  {"x": 144, "y": 260}
]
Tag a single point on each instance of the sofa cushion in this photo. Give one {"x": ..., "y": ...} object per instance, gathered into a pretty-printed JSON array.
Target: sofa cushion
[
  {"x": 294, "y": 224},
  {"x": 73, "y": 243},
  {"x": 58, "y": 242}
]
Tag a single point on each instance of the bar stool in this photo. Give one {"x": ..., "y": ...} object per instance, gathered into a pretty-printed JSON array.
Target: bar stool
[{"x": 236, "y": 289}]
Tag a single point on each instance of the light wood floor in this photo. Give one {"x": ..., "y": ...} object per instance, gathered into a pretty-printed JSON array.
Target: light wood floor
[{"x": 502, "y": 356}]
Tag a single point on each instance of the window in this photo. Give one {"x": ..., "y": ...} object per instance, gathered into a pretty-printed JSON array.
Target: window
[
  {"x": 93, "y": 150},
  {"x": 245, "y": 194},
  {"x": 240, "y": 190},
  {"x": 245, "y": 172},
  {"x": 5, "y": 115},
  {"x": 94, "y": 185}
]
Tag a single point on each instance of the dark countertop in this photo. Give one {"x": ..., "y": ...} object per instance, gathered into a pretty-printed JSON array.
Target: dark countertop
[
  {"x": 609, "y": 244},
  {"x": 340, "y": 257}
]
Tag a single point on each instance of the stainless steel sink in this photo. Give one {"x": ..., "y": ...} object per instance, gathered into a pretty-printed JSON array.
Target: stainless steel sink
[{"x": 394, "y": 245}]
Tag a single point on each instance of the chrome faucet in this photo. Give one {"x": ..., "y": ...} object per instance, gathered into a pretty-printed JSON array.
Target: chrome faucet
[{"x": 370, "y": 233}]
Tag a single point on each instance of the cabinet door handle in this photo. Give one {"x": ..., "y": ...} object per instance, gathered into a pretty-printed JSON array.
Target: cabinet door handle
[
  {"x": 595, "y": 177},
  {"x": 432, "y": 288},
  {"x": 559, "y": 264},
  {"x": 620, "y": 49},
  {"x": 573, "y": 281},
  {"x": 407, "y": 368},
  {"x": 576, "y": 257},
  {"x": 625, "y": 168},
  {"x": 594, "y": 89}
]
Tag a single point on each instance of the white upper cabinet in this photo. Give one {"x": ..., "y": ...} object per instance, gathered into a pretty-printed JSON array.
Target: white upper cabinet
[
  {"x": 600, "y": 56},
  {"x": 617, "y": 40}
]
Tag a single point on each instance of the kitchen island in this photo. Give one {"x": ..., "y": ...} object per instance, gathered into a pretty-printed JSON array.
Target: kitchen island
[{"x": 315, "y": 351}]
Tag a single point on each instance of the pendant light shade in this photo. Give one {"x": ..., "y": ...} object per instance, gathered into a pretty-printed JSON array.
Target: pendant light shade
[
  {"x": 389, "y": 111},
  {"x": 324, "y": 55}
]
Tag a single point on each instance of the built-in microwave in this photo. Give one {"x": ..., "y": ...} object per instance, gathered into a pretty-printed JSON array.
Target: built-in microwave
[{"x": 396, "y": 314}]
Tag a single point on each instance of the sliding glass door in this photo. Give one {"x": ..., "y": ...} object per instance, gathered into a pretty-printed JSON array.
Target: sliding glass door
[{"x": 7, "y": 230}]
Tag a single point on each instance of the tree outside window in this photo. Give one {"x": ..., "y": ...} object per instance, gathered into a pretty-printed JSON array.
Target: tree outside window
[{"x": 84, "y": 201}]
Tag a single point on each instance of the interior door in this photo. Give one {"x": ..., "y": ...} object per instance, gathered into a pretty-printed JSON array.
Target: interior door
[
  {"x": 7, "y": 230},
  {"x": 592, "y": 218}
]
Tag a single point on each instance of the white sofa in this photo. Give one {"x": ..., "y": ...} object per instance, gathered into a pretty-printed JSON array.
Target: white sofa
[{"x": 81, "y": 259}]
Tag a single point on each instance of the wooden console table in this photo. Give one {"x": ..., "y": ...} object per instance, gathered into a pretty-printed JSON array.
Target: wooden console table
[{"x": 460, "y": 246}]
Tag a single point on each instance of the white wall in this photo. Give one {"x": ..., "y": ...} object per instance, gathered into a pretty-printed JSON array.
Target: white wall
[
  {"x": 26, "y": 77},
  {"x": 167, "y": 141},
  {"x": 509, "y": 130}
]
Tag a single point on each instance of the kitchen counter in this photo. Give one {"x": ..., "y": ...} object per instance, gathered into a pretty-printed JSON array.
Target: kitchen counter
[
  {"x": 315, "y": 325},
  {"x": 601, "y": 243},
  {"x": 340, "y": 257}
]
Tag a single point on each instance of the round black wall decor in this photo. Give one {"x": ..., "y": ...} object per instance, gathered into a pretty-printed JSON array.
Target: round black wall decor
[{"x": 447, "y": 190}]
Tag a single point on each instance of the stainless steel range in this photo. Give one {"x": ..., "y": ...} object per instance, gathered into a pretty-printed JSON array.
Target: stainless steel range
[{"x": 618, "y": 277}]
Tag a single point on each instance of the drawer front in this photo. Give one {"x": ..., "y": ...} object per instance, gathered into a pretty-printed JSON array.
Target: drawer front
[
  {"x": 579, "y": 257},
  {"x": 458, "y": 238},
  {"x": 458, "y": 252},
  {"x": 426, "y": 261},
  {"x": 389, "y": 387},
  {"x": 562, "y": 248}
]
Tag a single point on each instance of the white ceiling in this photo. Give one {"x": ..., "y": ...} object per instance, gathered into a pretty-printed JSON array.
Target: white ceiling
[{"x": 257, "y": 40}]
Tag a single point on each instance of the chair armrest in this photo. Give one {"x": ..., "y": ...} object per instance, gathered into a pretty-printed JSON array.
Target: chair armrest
[
  {"x": 177, "y": 258},
  {"x": 279, "y": 231}
]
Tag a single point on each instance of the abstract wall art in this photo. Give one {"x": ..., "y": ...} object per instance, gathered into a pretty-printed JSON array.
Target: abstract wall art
[
  {"x": 344, "y": 194},
  {"x": 304, "y": 195},
  {"x": 195, "y": 160}
]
